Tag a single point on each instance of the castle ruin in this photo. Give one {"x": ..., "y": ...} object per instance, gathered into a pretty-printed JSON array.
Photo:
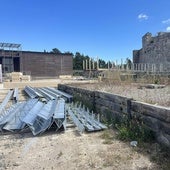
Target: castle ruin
[{"x": 155, "y": 51}]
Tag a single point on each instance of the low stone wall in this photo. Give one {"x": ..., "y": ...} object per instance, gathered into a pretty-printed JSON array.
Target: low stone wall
[
  {"x": 85, "y": 96},
  {"x": 111, "y": 105},
  {"x": 156, "y": 118}
]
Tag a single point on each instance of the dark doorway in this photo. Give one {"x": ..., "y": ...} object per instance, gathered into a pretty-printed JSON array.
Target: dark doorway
[
  {"x": 16, "y": 64},
  {"x": 0, "y": 60}
]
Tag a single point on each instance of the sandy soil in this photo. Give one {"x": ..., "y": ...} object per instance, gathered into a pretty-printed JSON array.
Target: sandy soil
[
  {"x": 42, "y": 83},
  {"x": 69, "y": 150}
]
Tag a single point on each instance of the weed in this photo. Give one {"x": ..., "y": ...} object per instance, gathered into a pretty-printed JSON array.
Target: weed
[
  {"x": 60, "y": 154},
  {"x": 15, "y": 164},
  {"x": 92, "y": 162},
  {"x": 107, "y": 136},
  {"x": 84, "y": 100},
  {"x": 156, "y": 81},
  {"x": 132, "y": 129},
  {"x": 108, "y": 142}
]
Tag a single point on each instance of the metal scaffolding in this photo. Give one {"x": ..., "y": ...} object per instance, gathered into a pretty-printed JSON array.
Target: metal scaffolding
[{"x": 7, "y": 53}]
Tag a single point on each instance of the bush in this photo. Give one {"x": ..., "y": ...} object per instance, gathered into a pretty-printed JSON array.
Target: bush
[{"x": 133, "y": 129}]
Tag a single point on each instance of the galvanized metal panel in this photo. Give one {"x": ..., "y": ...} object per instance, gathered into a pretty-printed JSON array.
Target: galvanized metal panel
[
  {"x": 16, "y": 95},
  {"x": 44, "y": 118},
  {"x": 30, "y": 91},
  {"x": 67, "y": 96},
  {"x": 76, "y": 121},
  {"x": 51, "y": 92},
  {"x": 13, "y": 118},
  {"x": 45, "y": 94},
  {"x": 32, "y": 114},
  {"x": 17, "y": 123},
  {"x": 40, "y": 125},
  {"x": 60, "y": 109},
  {"x": 46, "y": 112},
  {"x": 10, "y": 114},
  {"x": 5, "y": 101}
]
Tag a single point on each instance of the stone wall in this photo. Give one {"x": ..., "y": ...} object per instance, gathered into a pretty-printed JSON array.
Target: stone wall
[
  {"x": 111, "y": 105},
  {"x": 85, "y": 96},
  {"x": 155, "y": 50},
  {"x": 108, "y": 105},
  {"x": 157, "y": 118}
]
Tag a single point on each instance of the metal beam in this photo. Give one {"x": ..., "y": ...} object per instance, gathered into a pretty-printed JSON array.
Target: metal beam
[{"x": 5, "y": 101}]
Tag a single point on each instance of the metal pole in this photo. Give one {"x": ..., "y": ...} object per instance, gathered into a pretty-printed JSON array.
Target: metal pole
[
  {"x": 89, "y": 64},
  {"x": 121, "y": 63},
  {"x": 83, "y": 65},
  {"x": 97, "y": 63},
  {"x": 112, "y": 64},
  {"x": 86, "y": 65},
  {"x": 93, "y": 65}
]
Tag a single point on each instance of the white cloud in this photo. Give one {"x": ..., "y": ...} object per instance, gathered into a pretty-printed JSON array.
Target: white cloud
[
  {"x": 166, "y": 21},
  {"x": 168, "y": 28},
  {"x": 142, "y": 17}
]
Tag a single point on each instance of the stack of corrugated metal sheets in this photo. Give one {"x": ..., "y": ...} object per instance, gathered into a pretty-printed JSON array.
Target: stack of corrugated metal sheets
[
  {"x": 45, "y": 108},
  {"x": 39, "y": 113}
]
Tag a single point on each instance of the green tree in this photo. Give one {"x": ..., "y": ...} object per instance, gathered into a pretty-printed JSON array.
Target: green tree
[
  {"x": 55, "y": 50},
  {"x": 128, "y": 63},
  {"x": 102, "y": 64},
  {"x": 78, "y": 61},
  {"x": 68, "y": 52}
]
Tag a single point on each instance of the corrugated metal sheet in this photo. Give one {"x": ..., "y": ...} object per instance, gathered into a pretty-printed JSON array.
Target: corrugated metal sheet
[
  {"x": 46, "y": 112},
  {"x": 5, "y": 101},
  {"x": 60, "y": 109},
  {"x": 43, "y": 119},
  {"x": 17, "y": 123},
  {"x": 44, "y": 109},
  {"x": 32, "y": 114},
  {"x": 64, "y": 95},
  {"x": 13, "y": 118}
]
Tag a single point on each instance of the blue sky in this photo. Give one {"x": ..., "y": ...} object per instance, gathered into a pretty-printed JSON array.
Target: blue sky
[{"x": 109, "y": 29}]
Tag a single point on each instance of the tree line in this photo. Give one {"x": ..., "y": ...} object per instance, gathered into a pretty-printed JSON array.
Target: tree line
[{"x": 78, "y": 59}]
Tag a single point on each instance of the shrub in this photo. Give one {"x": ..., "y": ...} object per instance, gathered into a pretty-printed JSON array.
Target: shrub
[{"x": 133, "y": 129}]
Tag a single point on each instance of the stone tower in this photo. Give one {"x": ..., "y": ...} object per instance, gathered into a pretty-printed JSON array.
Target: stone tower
[{"x": 155, "y": 50}]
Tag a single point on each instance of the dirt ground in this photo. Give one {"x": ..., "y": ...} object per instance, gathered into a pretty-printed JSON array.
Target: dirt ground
[
  {"x": 157, "y": 96},
  {"x": 70, "y": 150}
]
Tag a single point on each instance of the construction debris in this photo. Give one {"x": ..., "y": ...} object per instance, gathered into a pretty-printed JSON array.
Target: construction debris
[{"x": 45, "y": 108}]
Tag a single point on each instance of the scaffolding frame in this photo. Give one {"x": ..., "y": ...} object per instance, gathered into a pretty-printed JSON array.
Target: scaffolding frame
[{"x": 9, "y": 50}]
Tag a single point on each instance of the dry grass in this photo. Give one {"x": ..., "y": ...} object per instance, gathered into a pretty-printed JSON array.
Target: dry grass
[{"x": 152, "y": 96}]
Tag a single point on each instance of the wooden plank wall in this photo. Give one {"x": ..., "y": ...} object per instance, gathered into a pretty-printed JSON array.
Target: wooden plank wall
[{"x": 109, "y": 106}]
